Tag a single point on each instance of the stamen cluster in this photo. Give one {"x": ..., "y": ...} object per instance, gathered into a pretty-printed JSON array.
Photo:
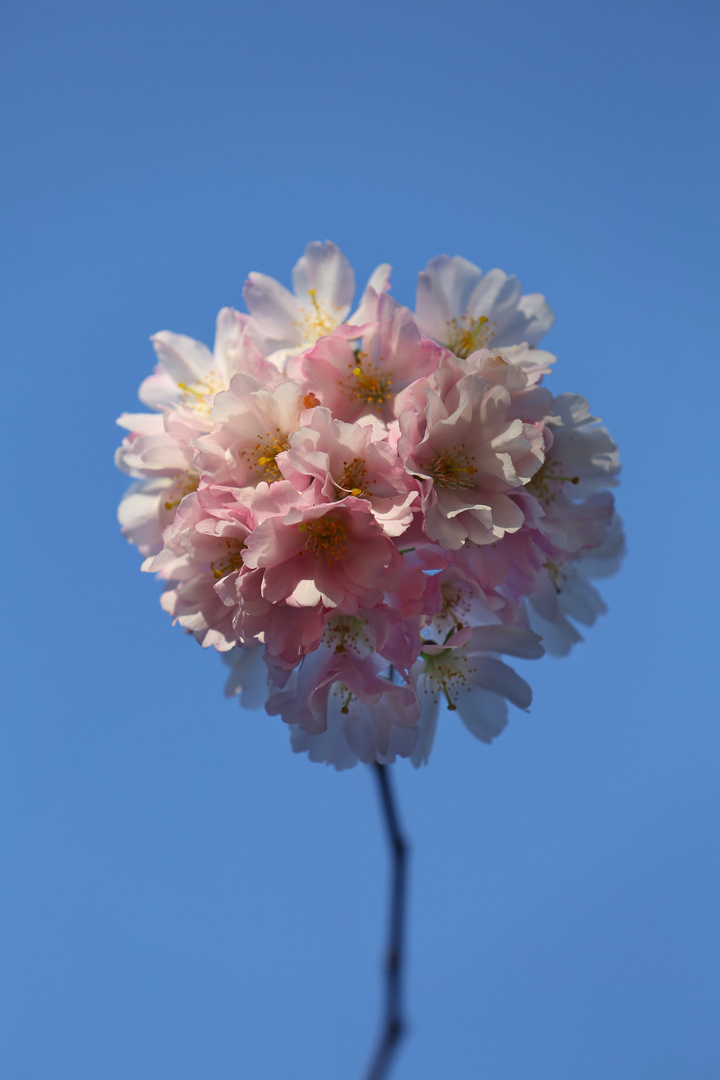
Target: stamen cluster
[{"x": 363, "y": 512}]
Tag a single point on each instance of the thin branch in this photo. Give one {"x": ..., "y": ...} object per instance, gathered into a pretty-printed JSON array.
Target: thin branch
[{"x": 394, "y": 1023}]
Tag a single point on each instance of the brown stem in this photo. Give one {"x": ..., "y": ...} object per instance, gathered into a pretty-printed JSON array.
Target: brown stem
[{"x": 394, "y": 1025}]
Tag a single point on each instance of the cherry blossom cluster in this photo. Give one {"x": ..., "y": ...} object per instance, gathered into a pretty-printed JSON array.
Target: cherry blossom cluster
[{"x": 363, "y": 511}]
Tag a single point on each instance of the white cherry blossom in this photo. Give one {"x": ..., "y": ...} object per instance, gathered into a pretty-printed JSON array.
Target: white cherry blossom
[{"x": 464, "y": 309}]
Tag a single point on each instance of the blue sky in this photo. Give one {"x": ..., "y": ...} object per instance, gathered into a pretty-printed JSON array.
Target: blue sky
[{"x": 183, "y": 896}]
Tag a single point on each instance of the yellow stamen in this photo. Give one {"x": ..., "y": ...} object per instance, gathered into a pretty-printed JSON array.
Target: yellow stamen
[
  {"x": 467, "y": 334},
  {"x": 371, "y": 384},
  {"x": 232, "y": 561},
  {"x": 318, "y": 321},
  {"x": 198, "y": 396},
  {"x": 327, "y": 536},
  {"x": 346, "y": 632},
  {"x": 182, "y": 486},
  {"x": 455, "y": 609},
  {"x": 543, "y": 484},
  {"x": 452, "y": 469},
  {"x": 352, "y": 480},
  {"x": 447, "y": 673},
  {"x": 262, "y": 455}
]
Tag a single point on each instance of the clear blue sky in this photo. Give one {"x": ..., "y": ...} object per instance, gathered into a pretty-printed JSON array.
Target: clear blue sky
[{"x": 182, "y": 896}]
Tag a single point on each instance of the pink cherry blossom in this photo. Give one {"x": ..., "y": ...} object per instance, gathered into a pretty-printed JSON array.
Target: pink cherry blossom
[
  {"x": 252, "y": 426},
  {"x": 330, "y": 553},
  {"x": 361, "y": 374},
  {"x": 470, "y": 457},
  {"x": 203, "y": 546},
  {"x": 351, "y": 459},
  {"x": 364, "y": 511}
]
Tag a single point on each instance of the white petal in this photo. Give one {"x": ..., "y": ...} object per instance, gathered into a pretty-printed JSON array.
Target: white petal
[
  {"x": 324, "y": 268},
  {"x": 229, "y": 329},
  {"x": 495, "y": 296},
  {"x": 159, "y": 390},
  {"x": 483, "y": 713},
  {"x": 499, "y": 678},
  {"x": 539, "y": 317},
  {"x": 274, "y": 308},
  {"x": 305, "y": 594},
  {"x": 427, "y": 725},
  {"x": 376, "y": 287},
  {"x": 248, "y": 676},
  {"x": 185, "y": 359},
  {"x": 514, "y": 640},
  {"x": 142, "y": 423}
]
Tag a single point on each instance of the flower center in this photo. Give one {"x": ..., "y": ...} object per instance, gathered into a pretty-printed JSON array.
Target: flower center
[
  {"x": 447, "y": 674},
  {"x": 452, "y": 469},
  {"x": 264, "y": 453},
  {"x": 368, "y": 383},
  {"x": 558, "y": 574},
  {"x": 317, "y": 321},
  {"x": 183, "y": 485},
  {"x": 467, "y": 334},
  {"x": 455, "y": 607},
  {"x": 545, "y": 484},
  {"x": 352, "y": 481},
  {"x": 198, "y": 396},
  {"x": 347, "y": 632},
  {"x": 232, "y": 560},
  {"x": 267, "y": 461},
  {"x": 327, "y": 536}
]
